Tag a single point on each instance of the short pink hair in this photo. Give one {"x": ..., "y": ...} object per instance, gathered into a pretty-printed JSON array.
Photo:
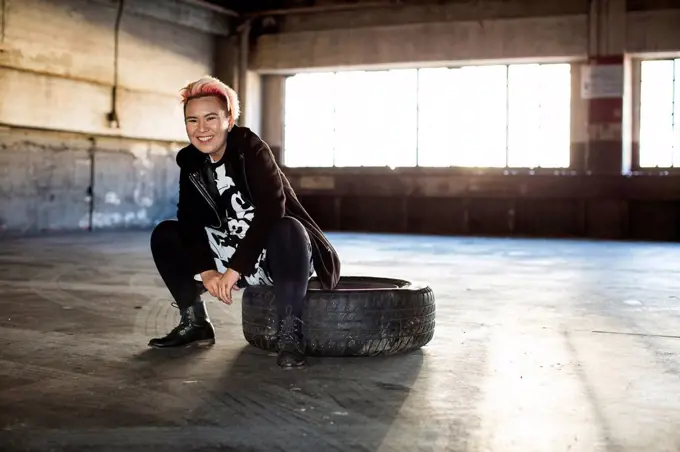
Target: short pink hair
[{"x": 211, "y": 86}]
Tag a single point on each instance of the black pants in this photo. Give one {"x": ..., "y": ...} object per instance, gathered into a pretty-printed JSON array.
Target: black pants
[{"x": 288, "y": 260}]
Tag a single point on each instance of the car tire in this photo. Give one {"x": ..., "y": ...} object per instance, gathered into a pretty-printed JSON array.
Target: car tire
[{"x": 362, "y": 316}]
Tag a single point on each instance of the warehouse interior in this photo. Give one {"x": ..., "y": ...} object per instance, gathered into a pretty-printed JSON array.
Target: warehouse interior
[{"x": 519, "y": 157}]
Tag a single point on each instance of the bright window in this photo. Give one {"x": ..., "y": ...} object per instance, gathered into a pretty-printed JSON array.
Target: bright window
[
  {"x": 462, "y": 116},
  {"x": 660, "y": 113},
  {"x": 309, "y": 120},
  {"x": 539, "y": 115},
  {"x": 473, "y": 116},
  {"x": 375, "y": 118}
]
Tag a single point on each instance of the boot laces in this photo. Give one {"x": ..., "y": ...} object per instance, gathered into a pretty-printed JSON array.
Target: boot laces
[
  {"x": 291, "y": 327},
  {"x": 185, "y": 322}
]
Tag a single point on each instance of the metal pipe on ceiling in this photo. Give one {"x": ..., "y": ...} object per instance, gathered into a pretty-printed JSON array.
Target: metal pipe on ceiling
[
  {"x": 299, "y": 10},
  {"x": 213, "y": 7},
  {"x": 114, "y": 120},
  {"x": 324, "y": 9}
]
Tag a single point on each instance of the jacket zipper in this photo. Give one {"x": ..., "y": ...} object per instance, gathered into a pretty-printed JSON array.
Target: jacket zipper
[{"x": 207, "y": 198}]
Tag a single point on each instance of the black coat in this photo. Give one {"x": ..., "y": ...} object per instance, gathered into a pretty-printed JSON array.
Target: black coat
[{"x": 261, "y": 181}]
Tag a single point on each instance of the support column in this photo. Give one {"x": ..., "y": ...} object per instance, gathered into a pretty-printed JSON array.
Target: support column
[
  {"x": 226, "y": 60},
  {"x": 273, "y": 113},
  {"x": 602, "y": 86},
  {"x": 253, "y": 112},
  {"x": 244, "y": 56}
]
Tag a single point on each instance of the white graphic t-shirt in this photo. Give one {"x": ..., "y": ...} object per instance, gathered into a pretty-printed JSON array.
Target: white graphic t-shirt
[{"x": 239, "y": 216}]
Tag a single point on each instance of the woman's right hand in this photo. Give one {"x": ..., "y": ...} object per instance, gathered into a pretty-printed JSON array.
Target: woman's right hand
[{"x": 210, "y": 279}]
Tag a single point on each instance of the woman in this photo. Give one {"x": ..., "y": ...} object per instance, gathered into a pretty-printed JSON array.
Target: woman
[{"x": 238, "y": 223}]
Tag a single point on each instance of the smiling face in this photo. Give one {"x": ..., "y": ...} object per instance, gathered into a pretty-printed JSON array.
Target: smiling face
[{"x": 207, "y": 124}]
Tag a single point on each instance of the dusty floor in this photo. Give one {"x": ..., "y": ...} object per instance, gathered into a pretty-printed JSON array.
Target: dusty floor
[{"x": 540, "y": 346}]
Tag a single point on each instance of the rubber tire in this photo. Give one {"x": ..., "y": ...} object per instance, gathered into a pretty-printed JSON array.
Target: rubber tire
[{"x": 363, "y": 316}]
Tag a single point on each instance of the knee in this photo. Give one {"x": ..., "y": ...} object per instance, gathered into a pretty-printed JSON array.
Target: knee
[
  {"x": 288, "y": 230},
  {"x": 288, "y": 227},
  {"x": 165, "y": 232}
]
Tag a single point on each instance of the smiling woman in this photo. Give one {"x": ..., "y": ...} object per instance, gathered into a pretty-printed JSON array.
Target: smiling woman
[
  {"x": 239, "y": 224},
  {"x": 211, "y": 109}
]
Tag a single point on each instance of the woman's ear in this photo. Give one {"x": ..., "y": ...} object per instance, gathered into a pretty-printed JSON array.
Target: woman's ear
[{"x": 230, "y": 122}]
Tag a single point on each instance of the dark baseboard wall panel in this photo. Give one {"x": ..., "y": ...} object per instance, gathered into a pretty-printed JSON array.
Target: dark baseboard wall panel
[{"x": 618, "y": 208}]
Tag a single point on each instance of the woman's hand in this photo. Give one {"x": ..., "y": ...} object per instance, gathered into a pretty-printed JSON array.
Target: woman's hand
[
  {"x": 225, "y": 285},
  {"x": 210, "y": 279}
]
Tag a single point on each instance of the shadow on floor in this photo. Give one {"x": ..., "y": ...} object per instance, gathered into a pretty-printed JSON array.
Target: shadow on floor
[
  {"x": 334, "y": 404},
  {"x": 239, "y": 399}
]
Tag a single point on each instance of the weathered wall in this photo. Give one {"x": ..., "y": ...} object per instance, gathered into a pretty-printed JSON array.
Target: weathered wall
[
  {"x": 458, "y": 33},
  {"x": 425, "y": 35},
  {"x": 47, "y": 179},
  {"x": 58, "y": 63},
  {"x": 57, "y": 68},
  {"x": 57, "y": 60}
]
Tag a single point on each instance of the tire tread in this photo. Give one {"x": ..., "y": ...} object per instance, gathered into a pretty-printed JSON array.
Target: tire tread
[{"x": 347, "y": 323}]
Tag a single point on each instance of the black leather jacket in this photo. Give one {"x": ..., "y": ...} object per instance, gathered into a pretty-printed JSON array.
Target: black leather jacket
[{"x": 259, "y": 178}]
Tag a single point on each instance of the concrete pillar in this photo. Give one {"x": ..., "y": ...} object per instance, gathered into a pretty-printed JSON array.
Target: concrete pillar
[
  {"x": 273, "y": 112},
  {"x": 243, "y": 58},
  {"x": 579, "y": 122},
  {"x": 602, "y": 87},
  {"x": 227, "y": 60},
  {"x": 231, "y": 59},
  {"x": 253, "y": 110}
]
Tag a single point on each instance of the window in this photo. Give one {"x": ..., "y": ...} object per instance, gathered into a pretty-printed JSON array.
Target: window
[
  {"x": 539, "y": 115},
  {"x": 660, "y": 114},
  {"x": 375, "y": 118},
  {"x": 473, "y": 116},
  {"x": 308, "y": 124},
  {"x": 462, "y": 116}
]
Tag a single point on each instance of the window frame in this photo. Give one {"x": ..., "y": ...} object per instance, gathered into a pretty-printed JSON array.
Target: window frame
[{"x": 635, "y": 103}]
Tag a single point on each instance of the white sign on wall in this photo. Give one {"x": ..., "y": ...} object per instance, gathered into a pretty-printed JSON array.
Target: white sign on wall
[{"x": 601, "y": 81}]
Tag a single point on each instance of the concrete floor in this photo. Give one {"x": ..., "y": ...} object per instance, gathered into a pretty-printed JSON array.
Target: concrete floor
[{"x": 540, "y": 346}]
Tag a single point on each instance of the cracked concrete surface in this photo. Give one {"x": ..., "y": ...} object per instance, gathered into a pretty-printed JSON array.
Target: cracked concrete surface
[{"x": 541, "y": 345}]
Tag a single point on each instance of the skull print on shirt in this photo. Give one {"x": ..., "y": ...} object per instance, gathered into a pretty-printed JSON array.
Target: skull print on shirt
[{"x": 240, "y": 214}]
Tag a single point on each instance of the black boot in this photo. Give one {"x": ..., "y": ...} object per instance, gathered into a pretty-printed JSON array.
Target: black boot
[
  {"x": 291, "y": 347},
  {"x": 194, "y": 328}
]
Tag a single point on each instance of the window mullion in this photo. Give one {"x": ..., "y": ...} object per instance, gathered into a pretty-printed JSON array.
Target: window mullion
[
  {"x": 507, "y": 115},
  {"x": 334, "y": 117},
  {"x": 673, "y": 118},
  {"x": 539, "y": 126},
  {"x": 417, "y": 117}
]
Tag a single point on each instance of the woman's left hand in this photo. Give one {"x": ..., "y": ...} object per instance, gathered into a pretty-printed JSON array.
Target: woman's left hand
[{"x": 227, "y": 283}]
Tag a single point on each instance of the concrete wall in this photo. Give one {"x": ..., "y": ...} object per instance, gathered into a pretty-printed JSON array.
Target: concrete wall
[
  {"x": 425, "y": 35},
  {"x": 460, "y": 33},
  {"x": 57, "y": 68},
  {"x": 54, "y": 181},
  {"x": 590, "y": 201}
]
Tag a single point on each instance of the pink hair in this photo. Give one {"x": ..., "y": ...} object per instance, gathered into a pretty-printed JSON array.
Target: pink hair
[{"x": 211, "y": 86}]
